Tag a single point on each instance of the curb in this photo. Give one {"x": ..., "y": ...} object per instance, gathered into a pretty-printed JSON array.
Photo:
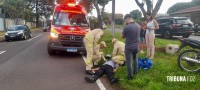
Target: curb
[{"x": 161, "y": 49}]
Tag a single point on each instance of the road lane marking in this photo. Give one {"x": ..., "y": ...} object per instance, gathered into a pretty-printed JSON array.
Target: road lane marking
[
  {"x": 34, "y": 37},
  {"x": 1, "y": 52},
  {"x": 99, "y": 83}
]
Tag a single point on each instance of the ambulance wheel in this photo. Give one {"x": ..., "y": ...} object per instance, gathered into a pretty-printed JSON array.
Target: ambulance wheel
[
  {"x": 51, "y": 52},
  {"x": 84, "y": 53}
]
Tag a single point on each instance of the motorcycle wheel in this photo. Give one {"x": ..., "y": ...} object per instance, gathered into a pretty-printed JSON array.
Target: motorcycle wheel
[
  {"x": 197, "y": 33},
  {"x": 188, "y": 65}
]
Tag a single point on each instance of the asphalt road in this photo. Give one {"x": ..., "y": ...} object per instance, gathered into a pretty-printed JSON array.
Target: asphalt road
[{"x": 26, "y": 65}]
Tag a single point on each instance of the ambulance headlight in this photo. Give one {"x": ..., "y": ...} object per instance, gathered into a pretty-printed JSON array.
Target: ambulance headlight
[{"x": 54, "y": 35}]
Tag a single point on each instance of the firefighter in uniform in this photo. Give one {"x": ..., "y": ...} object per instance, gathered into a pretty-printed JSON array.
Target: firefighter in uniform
[
  {"x": 118, "y": 55},
  {"x": 98, "y": 54},
  {"x": 90, "y": 41}
]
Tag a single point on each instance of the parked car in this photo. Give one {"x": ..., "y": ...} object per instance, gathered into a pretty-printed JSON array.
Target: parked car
[
  {"x": 18, "y": 32},
  {"x": 47, "y": 26},
  {"x": 179, "y": 26}
]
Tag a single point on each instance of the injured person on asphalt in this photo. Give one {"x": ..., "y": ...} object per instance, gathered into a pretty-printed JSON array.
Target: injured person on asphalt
[{"x": 108, "y": 68}]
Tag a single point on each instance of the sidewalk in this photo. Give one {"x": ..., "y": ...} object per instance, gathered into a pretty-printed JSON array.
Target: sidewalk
[{"x": 1, "y": 38}]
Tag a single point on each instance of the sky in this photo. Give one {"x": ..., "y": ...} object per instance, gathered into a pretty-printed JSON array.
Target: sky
[{"x": 126, "y": 6}]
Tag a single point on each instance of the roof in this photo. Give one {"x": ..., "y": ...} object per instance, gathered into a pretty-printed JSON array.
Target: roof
[
  {"x": 172, "y": 18},
  {"x": 191, "y": 9},
  {"x": 117, "y": 15}
]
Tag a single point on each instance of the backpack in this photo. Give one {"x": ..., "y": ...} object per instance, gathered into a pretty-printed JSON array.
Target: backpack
[{"x": 145, "y": 63}]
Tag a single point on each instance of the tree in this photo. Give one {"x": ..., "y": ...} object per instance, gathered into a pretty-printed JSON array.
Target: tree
[
  {"x": 149, "y": 4},
  {"x": 16, "y": 9},
  {"x": 87, "y": 4},
  {"x": 136, "y": 14},
  {"x": 96, "y": 4},
  {"x": 195, "y": 3},
  {"x": 178, "y": 6},
  {"x": 105, "y": 17},
  {"x": 119, "y": 21},
  {"x": 27, "y": 10},
  {"x": 41, "y": 8}
]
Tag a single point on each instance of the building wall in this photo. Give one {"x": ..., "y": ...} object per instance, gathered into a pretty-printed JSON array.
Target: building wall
[
  {"x": 31, "y": 24},
  {"x": 182, "y": 15},
  {"x": 1, "y": 24},
  {"x": 194, "y": 16},
  {"x": 11, "y": 22}
]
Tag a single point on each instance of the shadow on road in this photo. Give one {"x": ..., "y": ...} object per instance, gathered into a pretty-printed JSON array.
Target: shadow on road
[{"x": 63, "y": 54}]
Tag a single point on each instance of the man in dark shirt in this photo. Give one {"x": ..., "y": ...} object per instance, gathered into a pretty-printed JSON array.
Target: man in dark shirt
[{"x": 131, "y": 33}]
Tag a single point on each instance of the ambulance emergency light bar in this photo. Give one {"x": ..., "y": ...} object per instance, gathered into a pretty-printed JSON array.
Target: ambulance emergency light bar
[{"x": 66, "y": 2}]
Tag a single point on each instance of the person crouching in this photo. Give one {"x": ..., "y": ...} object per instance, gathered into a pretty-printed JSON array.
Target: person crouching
[{"x": 98, "y": 53}]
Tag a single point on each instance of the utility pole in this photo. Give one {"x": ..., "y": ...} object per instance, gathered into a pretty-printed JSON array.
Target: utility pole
[
  {"x": 152, "y": 6},
  {"x": 37, "y": 15},
  {"x": 4, "y": 15},
  {"x": 113, "y": 18}
]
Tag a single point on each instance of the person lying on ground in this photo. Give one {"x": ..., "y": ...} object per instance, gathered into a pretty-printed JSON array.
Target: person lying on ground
[{"x": 108, "y": 68}]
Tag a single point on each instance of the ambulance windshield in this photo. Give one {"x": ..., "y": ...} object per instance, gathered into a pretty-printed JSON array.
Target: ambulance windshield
[{"x": 70, "y": 19}]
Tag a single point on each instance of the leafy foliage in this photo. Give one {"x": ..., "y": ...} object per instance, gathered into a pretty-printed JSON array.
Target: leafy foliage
[
  {"x": 96, "y": 4},
  {"x": 26, "y": 9},
  {"x": 87, "y": 4},
  {"x": 119, "y": 21},
  {"x": 149, "y": 5},
  {"x": 136, "y": 14},
  {"x": 180, "y": 6},
  {"x": 105, "y": 17},
  {"x": 195, "y": 3}
]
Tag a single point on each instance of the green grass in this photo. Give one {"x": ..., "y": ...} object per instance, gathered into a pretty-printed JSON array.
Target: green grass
[
  {"x": 2, "y": 33},
  {"x": 155, "y": 78},
  {"x": 116, "y": 26},
  {"x": 163, "y": 42}
]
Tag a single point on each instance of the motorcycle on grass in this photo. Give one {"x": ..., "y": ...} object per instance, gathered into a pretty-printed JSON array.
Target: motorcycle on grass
[
  {"x": 189, "y": 60},
  {"x": 197, "y": 30}
]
